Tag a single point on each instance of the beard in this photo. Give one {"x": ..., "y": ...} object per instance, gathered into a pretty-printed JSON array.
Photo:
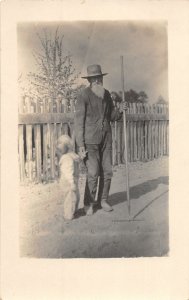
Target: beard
[{"x": 98, "y": 89}]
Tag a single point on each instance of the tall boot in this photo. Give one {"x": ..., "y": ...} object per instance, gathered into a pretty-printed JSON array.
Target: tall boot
[
  {"x": 89, "y": 199},
  {"x": 104, "y": 197}
]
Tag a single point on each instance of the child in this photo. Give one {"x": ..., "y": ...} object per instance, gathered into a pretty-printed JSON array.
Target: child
[{"x": 69, "y": 173}]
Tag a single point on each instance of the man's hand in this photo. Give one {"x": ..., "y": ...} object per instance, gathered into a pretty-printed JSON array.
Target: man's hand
[
  {"x": 82, "y": 153},
  {"x": 124, "y": 106}
]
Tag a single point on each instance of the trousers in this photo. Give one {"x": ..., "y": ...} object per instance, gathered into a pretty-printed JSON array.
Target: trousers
[{"x": 99, "y": 164}]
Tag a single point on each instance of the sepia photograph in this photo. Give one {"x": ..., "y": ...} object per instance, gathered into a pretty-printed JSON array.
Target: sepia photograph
[
  {"x": 93, "y": 139},
  {"x": 94, "y": 150}
]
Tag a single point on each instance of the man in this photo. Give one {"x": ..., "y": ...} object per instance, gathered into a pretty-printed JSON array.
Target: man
[{"x": 94, "y": 112}]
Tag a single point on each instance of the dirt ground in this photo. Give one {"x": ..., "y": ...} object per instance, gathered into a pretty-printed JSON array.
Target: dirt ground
[{"x": 45, "y": 234}]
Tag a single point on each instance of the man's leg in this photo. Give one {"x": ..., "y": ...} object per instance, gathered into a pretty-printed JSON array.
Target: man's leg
[
  {"x": 93, "y": 170},
  {"x": 106, "y": 172}
]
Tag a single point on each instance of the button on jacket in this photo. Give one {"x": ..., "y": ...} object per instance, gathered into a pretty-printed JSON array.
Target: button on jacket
[{"x": 93, "y": 116}]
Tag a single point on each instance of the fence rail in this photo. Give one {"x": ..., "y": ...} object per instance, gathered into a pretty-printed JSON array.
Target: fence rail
[{"x": 40, "y": 125}]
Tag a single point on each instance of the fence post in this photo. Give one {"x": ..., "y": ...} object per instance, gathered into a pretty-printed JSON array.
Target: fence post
[
  {"x": 21, "y": 142},
  {"x": 145, "y": 133},
  {"x": 38, "y": 146},
  {"x": 113, "y": 143},
  {"x": 134, "y": 134},
  {"x": 119, "y": 137},
  {"x": 149, "y": 135},
  {"x": 29, "y": 164}
]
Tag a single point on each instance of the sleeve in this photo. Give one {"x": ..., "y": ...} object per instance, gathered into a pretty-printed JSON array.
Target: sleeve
[
  {"x": 115, "y": 112},
  {"x": 79, "y": 119}
]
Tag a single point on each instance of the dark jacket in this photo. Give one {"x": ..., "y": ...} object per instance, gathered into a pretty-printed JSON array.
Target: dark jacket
[{"x": 92, "y": 116}]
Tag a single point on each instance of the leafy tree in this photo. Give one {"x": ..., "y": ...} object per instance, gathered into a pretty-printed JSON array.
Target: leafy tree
[
  {"x": 134, "y": 97},
  {"x": 161, "y": 100},
  {"x": 143, "y": 98},
  {"x": 55, "y": 72}
]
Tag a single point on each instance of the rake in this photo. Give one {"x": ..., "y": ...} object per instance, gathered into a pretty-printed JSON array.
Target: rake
[{"x": 125, "y": 144}]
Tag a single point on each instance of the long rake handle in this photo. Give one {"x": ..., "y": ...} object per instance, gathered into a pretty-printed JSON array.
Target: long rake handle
[{"x": 125, "y": 137}]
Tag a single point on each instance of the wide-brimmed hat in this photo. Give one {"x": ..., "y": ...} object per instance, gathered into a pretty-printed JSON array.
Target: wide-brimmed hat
[{"x": 94, "y": 70}]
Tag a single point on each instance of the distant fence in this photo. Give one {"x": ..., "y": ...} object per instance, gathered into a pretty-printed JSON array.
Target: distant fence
[{"x": 40, "y": 124}]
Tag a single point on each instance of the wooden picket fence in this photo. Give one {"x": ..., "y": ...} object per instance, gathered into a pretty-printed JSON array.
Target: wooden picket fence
[
  {"x": 147, "y": 133},
  {"x": 41, "y": 123}
]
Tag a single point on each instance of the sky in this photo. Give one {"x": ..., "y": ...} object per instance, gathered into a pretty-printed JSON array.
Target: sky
[{"x": 142, "y": 44}]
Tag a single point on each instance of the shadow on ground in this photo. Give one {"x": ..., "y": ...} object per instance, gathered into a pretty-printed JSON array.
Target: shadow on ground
[
  {"x": 135, "y": 193},
  {"x": 138, "y": 190}
]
